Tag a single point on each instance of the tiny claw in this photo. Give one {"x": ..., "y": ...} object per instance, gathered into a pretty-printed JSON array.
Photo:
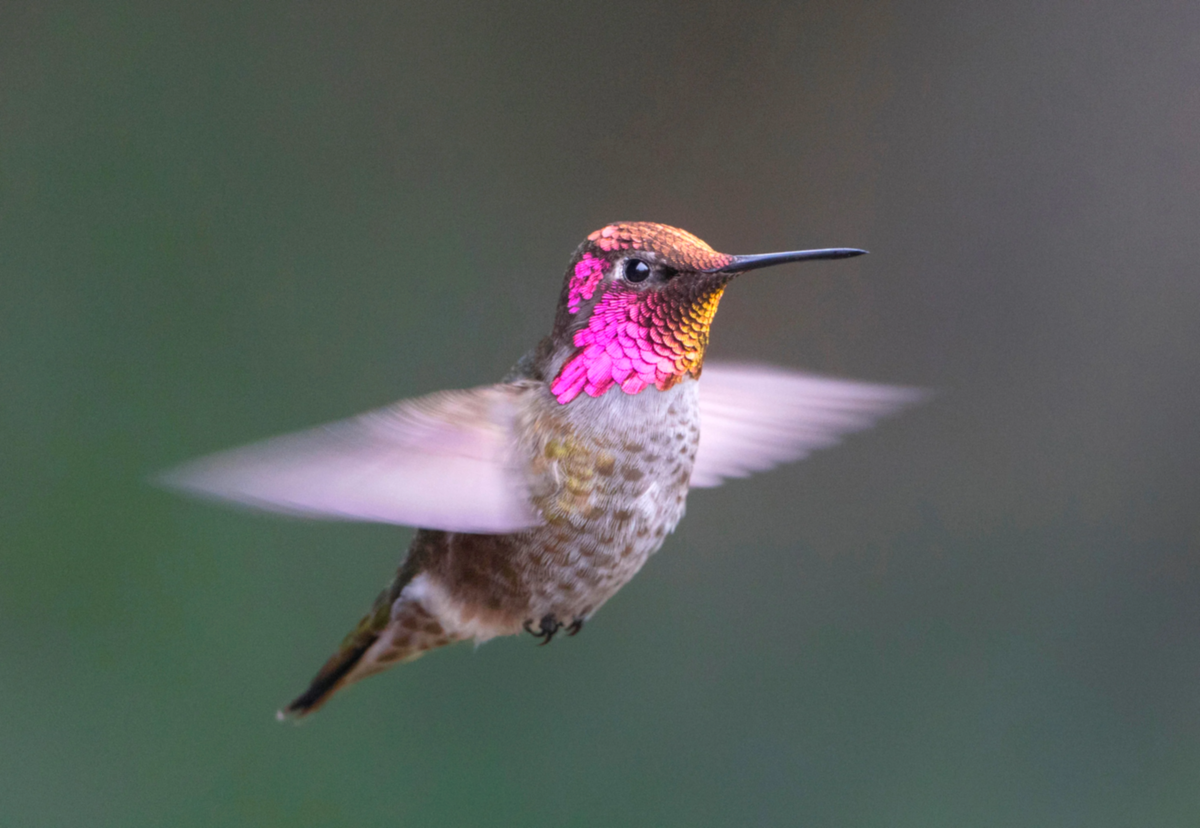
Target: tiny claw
[
  {"x": 575, "y": 627},
  {"x": 548, "y": 626}
]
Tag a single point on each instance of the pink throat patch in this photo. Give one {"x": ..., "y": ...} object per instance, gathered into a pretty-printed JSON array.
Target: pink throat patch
[{"x": 635, "y": 340}]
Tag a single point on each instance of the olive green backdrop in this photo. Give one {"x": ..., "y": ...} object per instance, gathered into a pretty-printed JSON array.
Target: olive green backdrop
[{"x": 224, "y": 221}]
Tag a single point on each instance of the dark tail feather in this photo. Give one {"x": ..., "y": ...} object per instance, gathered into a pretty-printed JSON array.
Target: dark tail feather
[
  {"x": 354, "y": 646},
  {"x": 326, "y": 681},
  {"x": 407, "y": 630}
]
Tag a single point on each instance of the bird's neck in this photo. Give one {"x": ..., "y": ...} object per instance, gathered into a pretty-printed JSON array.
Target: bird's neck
[{"x": 618, "y": 418}]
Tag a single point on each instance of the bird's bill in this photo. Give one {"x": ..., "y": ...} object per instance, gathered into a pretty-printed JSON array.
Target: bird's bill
[{"x": 740, "y": 264}]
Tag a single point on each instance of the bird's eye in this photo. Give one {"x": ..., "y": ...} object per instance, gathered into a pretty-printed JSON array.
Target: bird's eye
[{"x": 636, "y": 271}]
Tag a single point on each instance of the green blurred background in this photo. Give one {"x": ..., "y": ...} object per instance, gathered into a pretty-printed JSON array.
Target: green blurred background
[{"x": 224, "y": 221}]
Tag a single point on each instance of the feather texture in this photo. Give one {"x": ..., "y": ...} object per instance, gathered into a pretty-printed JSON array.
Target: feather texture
[
  {"x": 753, "y": 417},
  {"x": 446, "y": 461},
  {"x": 443, "y": 461}
]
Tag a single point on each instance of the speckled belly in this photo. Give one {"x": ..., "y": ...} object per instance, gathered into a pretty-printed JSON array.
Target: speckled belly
[{"x": 609, "y": 496}]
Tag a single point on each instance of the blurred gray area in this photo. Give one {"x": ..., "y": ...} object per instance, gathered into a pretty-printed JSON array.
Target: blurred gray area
[{"x": 221, "y": 222}]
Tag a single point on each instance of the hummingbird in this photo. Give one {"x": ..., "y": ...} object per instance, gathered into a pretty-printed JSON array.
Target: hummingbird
[{"x": 537, "y": 498}]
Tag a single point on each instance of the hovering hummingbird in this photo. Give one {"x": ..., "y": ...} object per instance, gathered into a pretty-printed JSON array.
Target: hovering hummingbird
[{"x": 539, "y": 497}]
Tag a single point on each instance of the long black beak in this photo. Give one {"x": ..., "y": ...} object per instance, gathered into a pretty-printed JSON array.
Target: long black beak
[{"x": 743, "y": 263}]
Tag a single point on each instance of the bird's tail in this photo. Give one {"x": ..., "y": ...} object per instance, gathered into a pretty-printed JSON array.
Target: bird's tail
[{"x": 397, "y": 628}]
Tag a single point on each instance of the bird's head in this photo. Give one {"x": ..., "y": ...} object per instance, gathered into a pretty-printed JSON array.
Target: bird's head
[{"x": 637, "y": 304}]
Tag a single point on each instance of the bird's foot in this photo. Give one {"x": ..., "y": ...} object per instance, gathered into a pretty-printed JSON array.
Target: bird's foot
[
  {"x": 575, "y": 626},
  {"x": 548, "y": 626}
]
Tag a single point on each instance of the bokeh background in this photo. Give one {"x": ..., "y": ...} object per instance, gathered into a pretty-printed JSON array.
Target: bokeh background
[{"x": 224, "y": 221}]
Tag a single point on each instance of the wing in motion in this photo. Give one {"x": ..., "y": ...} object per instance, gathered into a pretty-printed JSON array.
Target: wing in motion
[
  {"x": 442, "y": 461},
  {"x": 753, "y": 417}
]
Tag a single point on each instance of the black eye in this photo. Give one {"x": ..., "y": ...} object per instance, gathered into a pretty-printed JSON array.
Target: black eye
[{"x": 636, "y": 271}]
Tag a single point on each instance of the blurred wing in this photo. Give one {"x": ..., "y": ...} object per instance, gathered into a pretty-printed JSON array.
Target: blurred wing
[
  {"x": 753, "y": 417},
  {"x": 440, "y": 462}
]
